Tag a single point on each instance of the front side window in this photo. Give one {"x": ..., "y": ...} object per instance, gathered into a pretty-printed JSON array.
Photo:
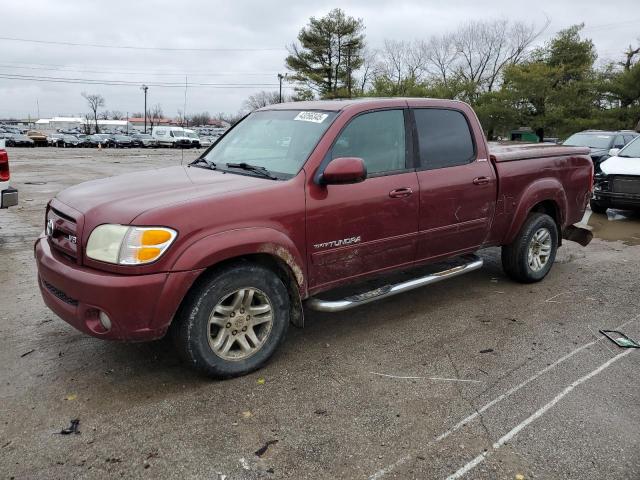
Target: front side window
[
  {"x": 278, "y": 140},
  {"x": 376, "y": 137},
  {"x": 444, "y": 138}
]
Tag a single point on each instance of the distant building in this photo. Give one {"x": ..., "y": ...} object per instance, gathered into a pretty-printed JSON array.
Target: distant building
[
  {"x": 59, "y": 123},
  {"x": 138, "y": 122},
  {"x": 70, "y": 123}
]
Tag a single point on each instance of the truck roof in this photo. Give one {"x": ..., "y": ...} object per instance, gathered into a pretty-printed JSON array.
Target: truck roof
[{"x": 341, "y": 104}]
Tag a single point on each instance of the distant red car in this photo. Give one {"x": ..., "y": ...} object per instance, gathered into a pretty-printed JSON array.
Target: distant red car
[
  {"x": 295, "y": 200},
  {"x": 8, "y": 194}
]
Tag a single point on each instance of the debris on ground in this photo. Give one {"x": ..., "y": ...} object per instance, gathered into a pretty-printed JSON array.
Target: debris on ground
[
  {"x": 320, "y": 411},
  {"x": 27, "y": 353},
  {"x": 73, "y": 396},
  {"x": 72, "y": 428},
  {"x": 486, "y": 350},
  {"x": 262, "y": 450},
  {"x": 247, "y": 414},
  {"x": 261, "y": 381},
  {"x": 620, "y": 339}
]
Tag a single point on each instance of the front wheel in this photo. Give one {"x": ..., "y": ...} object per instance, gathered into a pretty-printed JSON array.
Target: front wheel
[
  {"x": 232, "y": 321},
  {"x": 530, "y": 256}
]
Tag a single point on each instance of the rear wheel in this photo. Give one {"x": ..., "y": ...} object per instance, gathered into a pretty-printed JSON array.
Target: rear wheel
[
  {"x": 232, "y": 321},
  {"x": 598, "y": 207},
  {"x": 532, "y": 253}
]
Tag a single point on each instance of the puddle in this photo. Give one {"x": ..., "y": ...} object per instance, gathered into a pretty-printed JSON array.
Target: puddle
[{"x": 616, "y": 225}]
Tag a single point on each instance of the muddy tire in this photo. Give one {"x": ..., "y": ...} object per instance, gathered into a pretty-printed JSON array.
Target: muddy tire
[
  {"x": 531, "y": 255},
  {"x": 598, "y": 207},
  {"x": 232, "y": 321}
]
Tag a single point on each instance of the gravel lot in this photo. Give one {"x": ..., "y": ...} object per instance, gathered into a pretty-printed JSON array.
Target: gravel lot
[{"x": 477, "y": 377}]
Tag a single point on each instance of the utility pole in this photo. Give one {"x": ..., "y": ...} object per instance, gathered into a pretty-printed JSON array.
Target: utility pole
[
  {"x": 145, "y": 88},
  {"x": 280, "y": 78},
  {"x": 127, "y": 123}
]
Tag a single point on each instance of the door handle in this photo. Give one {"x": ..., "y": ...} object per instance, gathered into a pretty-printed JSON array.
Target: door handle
[
  {"x": 481, "y": 180},
  {"x": 400, "y": 192}
]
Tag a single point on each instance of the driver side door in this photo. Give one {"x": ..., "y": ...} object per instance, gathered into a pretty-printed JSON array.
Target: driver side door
[{"x": 368, "y": 227}]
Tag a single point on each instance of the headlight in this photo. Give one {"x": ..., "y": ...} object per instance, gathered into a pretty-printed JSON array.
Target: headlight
[{"x": 125, "y": 245}]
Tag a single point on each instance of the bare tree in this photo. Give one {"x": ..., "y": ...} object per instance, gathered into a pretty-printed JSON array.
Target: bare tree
[
  {"x": 117, "y": 115},
  {"x": 154, "y": 114},
  {"x": 440, "y": 54},
  {"x": 104, "y": 115},
  {"x": 95, "y": 101},
  {"x": 87, "y": 124},
  {"x": 261, "y": 99},
  {"x": 485, "y": 48},
  {"x": 200, "y": 118},
  {"x": 367, "y": 70}
]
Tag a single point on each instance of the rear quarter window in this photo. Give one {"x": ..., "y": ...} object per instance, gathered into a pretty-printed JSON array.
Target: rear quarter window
[{"x": 444, "y": 138}]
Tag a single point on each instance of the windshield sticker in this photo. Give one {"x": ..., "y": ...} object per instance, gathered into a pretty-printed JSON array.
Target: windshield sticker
[{"x": 315, "y": 117}]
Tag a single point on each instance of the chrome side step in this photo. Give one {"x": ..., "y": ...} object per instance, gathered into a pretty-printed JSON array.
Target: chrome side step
[{"x": 320, "y": 305}]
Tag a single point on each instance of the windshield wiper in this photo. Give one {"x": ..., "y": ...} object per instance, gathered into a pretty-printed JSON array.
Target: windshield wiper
[
  {"x": 253, "y": 168},
  {"x": 204, "y": 162}
]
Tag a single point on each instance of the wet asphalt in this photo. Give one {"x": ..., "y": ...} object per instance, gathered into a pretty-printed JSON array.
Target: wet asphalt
[{"x": 476, "y": 377}]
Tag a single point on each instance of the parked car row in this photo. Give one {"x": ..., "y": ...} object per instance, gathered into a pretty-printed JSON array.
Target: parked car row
[{"x": 174, "y": 137}]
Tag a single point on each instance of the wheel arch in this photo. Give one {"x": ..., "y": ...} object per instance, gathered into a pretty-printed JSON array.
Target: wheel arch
[
  {"x": 543, "y": 196},
  {"x": 261, "y": 246}
]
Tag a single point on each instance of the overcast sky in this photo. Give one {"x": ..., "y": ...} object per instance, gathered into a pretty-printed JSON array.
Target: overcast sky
[{"x": 262, "y": 27}]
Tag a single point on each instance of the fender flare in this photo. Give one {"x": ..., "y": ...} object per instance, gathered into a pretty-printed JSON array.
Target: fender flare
[
  {"x": 544, "y": 189},
  {"x": 212, "y": 249}
]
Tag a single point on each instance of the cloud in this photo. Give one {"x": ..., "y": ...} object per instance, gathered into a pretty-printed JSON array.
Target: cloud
[{"x": 247, "y": 24}]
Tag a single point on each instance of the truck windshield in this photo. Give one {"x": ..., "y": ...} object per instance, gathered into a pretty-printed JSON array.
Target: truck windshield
[
  {"x": 278, "y": 140},
  {"x": 588, "y": 140}
]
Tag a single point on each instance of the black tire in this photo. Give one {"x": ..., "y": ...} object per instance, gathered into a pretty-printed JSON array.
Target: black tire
[
  {"x": 598, "y": 207},
  {"x": 515, "y": 261},
  {"x": 191, "y": 330}
]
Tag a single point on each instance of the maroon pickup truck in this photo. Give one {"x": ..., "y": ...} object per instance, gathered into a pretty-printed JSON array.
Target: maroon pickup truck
[{"x": 295, "y": 200}]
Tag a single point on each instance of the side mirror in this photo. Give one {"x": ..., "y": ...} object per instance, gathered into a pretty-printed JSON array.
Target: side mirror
[
  {"x": 614, "y": 151},
  {"x": 344, "y": 170}
]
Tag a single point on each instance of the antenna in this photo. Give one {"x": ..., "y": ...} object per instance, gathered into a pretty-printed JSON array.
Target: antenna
[{"x": 184, "y": 115}]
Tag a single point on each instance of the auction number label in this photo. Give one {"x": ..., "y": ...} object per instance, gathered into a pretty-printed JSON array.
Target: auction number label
[{"x": 315, "y": 117}]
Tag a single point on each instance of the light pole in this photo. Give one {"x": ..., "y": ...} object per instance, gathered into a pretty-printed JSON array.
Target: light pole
[
  {"x": 281, "y": 77},
  {"x": 145, "y": 88}
]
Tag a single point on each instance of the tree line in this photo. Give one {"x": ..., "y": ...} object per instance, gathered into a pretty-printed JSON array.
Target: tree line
[{"x": 556, "y": 89}]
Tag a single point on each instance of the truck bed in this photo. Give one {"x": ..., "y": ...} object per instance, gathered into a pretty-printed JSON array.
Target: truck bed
[
  {"x": 559, "y": 175},
  {"x": 510, "y": 151}
]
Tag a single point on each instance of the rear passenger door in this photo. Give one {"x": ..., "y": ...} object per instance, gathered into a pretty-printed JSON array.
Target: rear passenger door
[{"x": 457, "y": 189}]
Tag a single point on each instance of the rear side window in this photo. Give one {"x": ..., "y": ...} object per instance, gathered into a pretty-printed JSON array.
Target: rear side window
[
  {"x": 444, "y": 138},
  {"x": 376, "y": 137}
]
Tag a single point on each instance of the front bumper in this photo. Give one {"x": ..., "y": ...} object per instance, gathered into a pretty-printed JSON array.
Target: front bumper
[
  {"x": 141, "y": 307},
  {"x": 619, "y": 200},
  {"x": 8, "y": 197}
]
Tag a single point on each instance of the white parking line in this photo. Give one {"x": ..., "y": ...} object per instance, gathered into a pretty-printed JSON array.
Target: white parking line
[
  {"x": 389, "y": 468},
  {"x": 511, "y": 391},
  {"x": 539, "y": 413}
]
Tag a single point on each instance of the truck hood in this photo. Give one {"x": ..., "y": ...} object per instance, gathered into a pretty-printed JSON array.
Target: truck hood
[
  {"x": 621, "y": 166},
  {"x": 122, "y": 198}
]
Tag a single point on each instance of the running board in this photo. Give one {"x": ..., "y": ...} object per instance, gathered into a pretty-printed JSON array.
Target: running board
[{"x": 474, "y": 263}]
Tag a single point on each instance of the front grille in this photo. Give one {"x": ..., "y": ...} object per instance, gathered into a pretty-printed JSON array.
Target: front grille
[
  {"x": 60, "y": 294},
  {"x": 626, "y": 184},
  {"x": 62, "y": 233}
]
